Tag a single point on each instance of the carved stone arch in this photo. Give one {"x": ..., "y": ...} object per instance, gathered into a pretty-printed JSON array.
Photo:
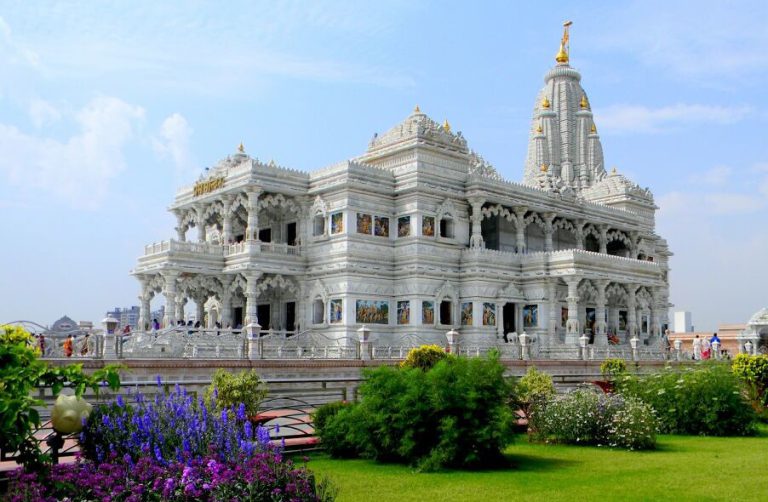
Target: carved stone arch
[
  {"x": 619, "y": 235},
  {"x": 277, "y": 281},
  {"x": 319, "y": 206},
  {"x": 278, "y": 201},
  {"x": 561, "y": 223},
  {"x": 238, "y": 282},
  {"x": 534, "y": 218},
  {"x": 447, "y": 208},
  {"x": 189, "y": 219},
  {"x": 643, "y": 298},
  {"x": 591, "y": 229},
  {"x": 511, "y": 293},
  {"x": 587, "y": 291},
  {"x": 240, "y": 200},
  {"x": 446, "y": 290},
  {"x": 501, "y": 212},
  {"x": 319, "y": 290},
  {"x": 617, "y": 294},
  {"x": 156, "y": 284}
]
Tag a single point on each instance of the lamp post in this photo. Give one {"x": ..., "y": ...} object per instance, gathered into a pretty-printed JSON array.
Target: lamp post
[
  {"x": 678, "y": 349},
  {"x": 633, "y": 343},
  {"x": 253, "y": 340},
  {"x": 453, "y": 341},
  {"x": 583, "y": 341},
  {"x": 110, "y": 341},
  {"x": 524, "y": 346},
  {"x": 364, "y": 335}
]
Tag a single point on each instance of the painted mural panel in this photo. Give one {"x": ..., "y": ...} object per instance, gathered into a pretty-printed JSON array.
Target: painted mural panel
[
  {"x": 336, "y": 311},
  {"x": 404, "y": 312},
  {"x": 381, "y": 226},
  {"x": 530, "y": 316},
  {"x": 466, "y": 314},
  {"x": 337, "y": 223},
  {"x": 364, "y": 224},
  {"x": 427, "y": 312},
  {"x": 563, "y": 316},
  {"x": 372, "y": 312},
  {"x": 489, "y": 314},
  {"x": 428, "y": 226},
  {"x": 404, "y": 226}
]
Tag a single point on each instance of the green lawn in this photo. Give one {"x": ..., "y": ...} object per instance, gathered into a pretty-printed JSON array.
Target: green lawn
[{"x": 682, "y": 468}]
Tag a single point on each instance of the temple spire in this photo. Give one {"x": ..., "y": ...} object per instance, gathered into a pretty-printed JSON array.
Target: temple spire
[{"x": 562, "y": 54}]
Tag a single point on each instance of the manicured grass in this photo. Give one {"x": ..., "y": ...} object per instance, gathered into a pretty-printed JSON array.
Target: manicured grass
[{"x": 682, "y": 468}]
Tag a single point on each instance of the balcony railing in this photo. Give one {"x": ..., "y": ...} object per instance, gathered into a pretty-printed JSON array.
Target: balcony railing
[{"x": 174, "y": 246}]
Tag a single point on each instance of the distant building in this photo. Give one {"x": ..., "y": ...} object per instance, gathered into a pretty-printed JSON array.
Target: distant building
[
  {"x": 126, "y": 316},
  {"x": 683, "y": 322},
  {"x": 66, "y": 325}
]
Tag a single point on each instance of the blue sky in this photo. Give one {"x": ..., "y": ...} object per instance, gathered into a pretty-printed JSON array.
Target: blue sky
[{"x": 106, "y": 108}]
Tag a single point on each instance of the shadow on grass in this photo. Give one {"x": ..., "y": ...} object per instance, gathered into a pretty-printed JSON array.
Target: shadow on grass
[{"x": 533, "y": 463}]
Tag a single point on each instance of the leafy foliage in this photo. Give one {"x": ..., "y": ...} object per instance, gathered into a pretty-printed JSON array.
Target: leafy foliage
[
  {"x": 533, "y": 387},
  {"x": 455, "y": 414},
  {"x": 21, "y": 371},
  {"x": 323, "y": 413},
  {"x": 753, "y": 371},
  {"x": 424, "y": 357},
  {"x": 702, "y": 400},
  {"x": 613, "y": 368},
  {"x": 230, "y": 390},
  {"x": 586, "y": 417}
]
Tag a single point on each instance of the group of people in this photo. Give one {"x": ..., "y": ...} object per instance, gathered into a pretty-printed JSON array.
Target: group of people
[
  {"x": 702, "y": 348},
  {"x": 69, "y": 346}
]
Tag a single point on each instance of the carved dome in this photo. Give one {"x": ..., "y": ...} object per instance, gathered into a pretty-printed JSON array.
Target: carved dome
[
  {"x": 418, "y": 126},
  {"x": 562, "y": 135},
  {"x": 760, "y": 318},
  {"x": 616, "y": 184}
]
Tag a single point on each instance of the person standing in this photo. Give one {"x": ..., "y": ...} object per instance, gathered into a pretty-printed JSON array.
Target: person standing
[
  {"x": 68, "y": 346},
  {"x": 697, "y": 348}
]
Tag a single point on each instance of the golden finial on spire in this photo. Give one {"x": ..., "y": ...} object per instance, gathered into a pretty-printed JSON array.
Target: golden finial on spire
[
  {"x": 545, "y": 102},
  {"x": 593, "y": 129},
  {"x": 446, "y": 126},
  {"x": 417, "y": 109},
  {"x": 613, "y": 171},
  {"x": 584, "y": 103},
  {"x": 544, "y": 168},
  {"x": 241, "y": 148},
  {"x": 562, "y": 54},
  {"x": 539, "y": 129}
]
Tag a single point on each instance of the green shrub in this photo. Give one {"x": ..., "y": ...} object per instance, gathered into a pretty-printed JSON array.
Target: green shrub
[
  {"x": 753, "y": 372},
  {"x": 230, "y": 390},
  {"x": 702, "y": 400},
  {"x": 424, "y": 357},
  {"x": 21, "y": 371},
  {"x": 455, "y": 414},
  {"x": 326, "y": 411},
  {"x": 533, "y": 387},
  {"x": 613, "y": 368},
  {"x": 587, "y": 417}
]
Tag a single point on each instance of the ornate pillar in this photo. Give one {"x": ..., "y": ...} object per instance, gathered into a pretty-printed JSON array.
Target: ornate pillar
[
  {"x": 601, "y": 328},
  {"x": 226, "y": 220},
  {"x": 548, "y": 231},
  {"x": 226, "y": 301},
  {"x": 170, "y": 297},
  {"x": 572, "y": 324},
  {"x": 476, "y": 240},
  {"x": 181, "y": 230},
  {"x": 144, "y": 298},
  {"x": 251, "y": 297},
  {"x": 631, "y": 311},
  {"x": 200, "y": 210},
  {"x": 580, "y": 233},
  {"x": 301, "y": 228},
  {"x": 200, "y": 311},
  {"x": 252, "y": 232},
  {"x": 180, "y": 302},
  {"x": 553, "y": 312},
  {"x": 655, "y": 325},
  {"x": 520, "y": 227},
  {"x": 634, "y": 240},
  {"x": 603, "y": 239}
]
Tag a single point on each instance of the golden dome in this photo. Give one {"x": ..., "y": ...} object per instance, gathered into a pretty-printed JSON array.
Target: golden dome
[
  {"x": 241, "y": 148},
  {"x": 446, "y": 126},
  {"x": 545, "y": 102},
  {"x": 562, "y": 56},
  {"x": 539, "y": 129},
  {"x": 593, "y": 129},
  {"x": 416, "y": 109},
  {"x": 584, "y": 103},
  {"x": 544, "y": 168},
  {"x": 613, "y": 171}
]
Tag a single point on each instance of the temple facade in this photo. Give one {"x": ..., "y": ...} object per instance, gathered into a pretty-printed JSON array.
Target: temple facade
[{"x": 419, "y": 235}]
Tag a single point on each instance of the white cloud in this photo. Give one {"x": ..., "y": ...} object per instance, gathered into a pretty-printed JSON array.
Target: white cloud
[
  {"x": 716, "y": 176},
  {"x": 695, "y": 205},
  {"x": 78, "y": 169},
  {"x": 42, "y": 113},
  {"x": 13, "y": 53},
  {"x": 175, "y": 134},
  {"x": 620, "y": 119}
]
